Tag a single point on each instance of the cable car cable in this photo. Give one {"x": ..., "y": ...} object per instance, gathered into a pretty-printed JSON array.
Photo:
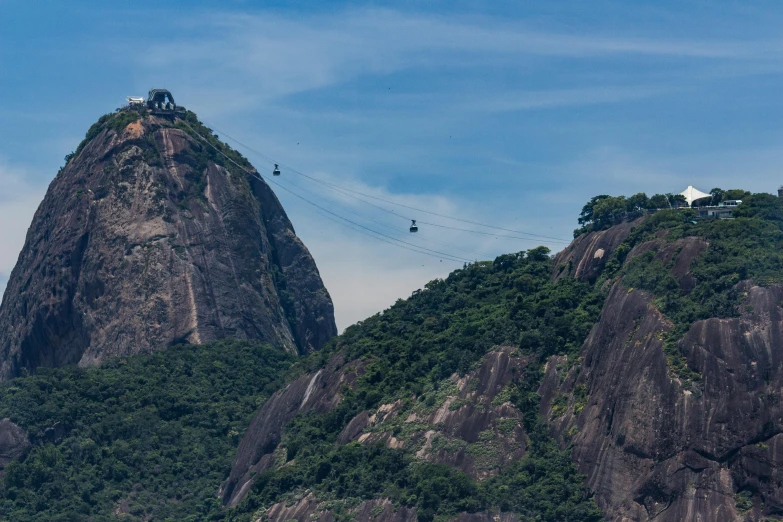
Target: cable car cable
[
  {"x": 389, "y": 201},
  {"x": 453, "y": 257},
  {"x": 384, "y": 241},
  {"x": 258, "y": 176},
  {"x": 396, "y": 229},
  {"x": 444, "y": 226},
  {"x": 480, "y": 232}
]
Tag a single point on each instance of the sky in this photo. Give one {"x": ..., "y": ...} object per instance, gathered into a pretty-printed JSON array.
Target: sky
[{"x": 511, "y": 114}]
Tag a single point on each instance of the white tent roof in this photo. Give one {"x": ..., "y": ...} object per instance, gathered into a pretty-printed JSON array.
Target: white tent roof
[{"x": 692, "y": 194}]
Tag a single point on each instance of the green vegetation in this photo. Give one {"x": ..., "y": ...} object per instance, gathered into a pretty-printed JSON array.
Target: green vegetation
[
  {"x": 743, "y": 501},
  {"x": 747, "y": 247},
  {"x": 150, "y": 435},
  {"x": 412, "y": 348},
  {"x": 452, "y": 323},
  {"x": 544, "y": 485},
  {"x": 153, "y": 436},
  {"x": 603, "y": 211}
]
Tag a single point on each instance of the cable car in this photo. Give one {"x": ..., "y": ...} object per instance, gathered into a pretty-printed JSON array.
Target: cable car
[
  {"x": 414, "y": 227},
  {"x": 276, "y": 172}
]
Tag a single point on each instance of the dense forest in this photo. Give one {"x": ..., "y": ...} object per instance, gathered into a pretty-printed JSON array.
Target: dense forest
[{"x": 148, "y": 437}]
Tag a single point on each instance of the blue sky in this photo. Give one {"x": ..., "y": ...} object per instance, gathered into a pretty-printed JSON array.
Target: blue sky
[{"x": 512, "y": 113}]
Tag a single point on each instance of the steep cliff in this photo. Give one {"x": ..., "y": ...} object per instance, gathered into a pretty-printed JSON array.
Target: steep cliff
[
  {"x": 658, "y": 343},
  {"x": 674, "y": 412},
  {"x": 147, "y": 238}
]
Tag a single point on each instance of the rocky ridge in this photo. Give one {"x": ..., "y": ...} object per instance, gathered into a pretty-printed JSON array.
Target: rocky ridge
[
  {"x": 653, "y": 445},
  {"x": 667, "y": 420}
]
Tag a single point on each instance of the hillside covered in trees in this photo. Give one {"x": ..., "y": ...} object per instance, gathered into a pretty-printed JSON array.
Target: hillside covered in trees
[{"x": 480, "y": 395}]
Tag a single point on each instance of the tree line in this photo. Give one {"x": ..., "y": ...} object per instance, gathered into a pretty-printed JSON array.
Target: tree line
[{"x": 604, "y": 211}]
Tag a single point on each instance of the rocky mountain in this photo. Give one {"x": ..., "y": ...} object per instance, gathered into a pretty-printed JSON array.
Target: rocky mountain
[
  {"x": 149, "y": 237},
  {"x": 634, "y": 376},
  {"x": 651, "y": 353},
  {"x": 674, "y": 412}
]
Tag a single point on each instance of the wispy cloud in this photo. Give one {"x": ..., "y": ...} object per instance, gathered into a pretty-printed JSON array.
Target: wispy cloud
[{"x": 282, "y": 54}]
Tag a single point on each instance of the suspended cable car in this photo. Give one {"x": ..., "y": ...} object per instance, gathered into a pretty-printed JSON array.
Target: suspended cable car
[
  {"x": 414, "y": 227},
  {"x": 276, "y": 172}
]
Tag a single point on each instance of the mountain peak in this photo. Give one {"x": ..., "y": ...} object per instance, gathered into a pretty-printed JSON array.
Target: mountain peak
[{"x": 151, "y": 236}]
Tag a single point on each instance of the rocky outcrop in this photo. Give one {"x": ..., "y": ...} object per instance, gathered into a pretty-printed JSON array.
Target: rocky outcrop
[
  {"x": 308, "y": 509},
  {"x": 587, "y": 255},
  {"x": 378, "y": 510},
  {"x": 148, "y": 238},
  {"x": 470, "y": 426},
  {"x": 13, "y": 443},
  {"x": 467, "y": 424},
  {"x": 319, "y": 391},
  {"x": 656, "y": 447}
]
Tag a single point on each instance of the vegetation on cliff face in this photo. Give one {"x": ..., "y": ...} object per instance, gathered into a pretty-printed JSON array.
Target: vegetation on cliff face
[
  {"x": 153, "y": 436},
  {"x": 746, "y": 247},
  {"x": 412, "y": 349},
  {"x": 148, "y": 437}
]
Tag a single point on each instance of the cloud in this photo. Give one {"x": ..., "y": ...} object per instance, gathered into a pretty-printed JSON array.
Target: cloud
[
  {"x": 366, "y": 275},
  {"x": 279, "y": 55},
  {"x": 535, "y": 100}
]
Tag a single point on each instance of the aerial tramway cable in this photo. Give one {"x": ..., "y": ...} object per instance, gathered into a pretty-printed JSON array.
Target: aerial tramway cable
[
  {"x": 391, "y": 227},
  {"x": 378, "y": 235},
  {"x": 340, "y": 189}
]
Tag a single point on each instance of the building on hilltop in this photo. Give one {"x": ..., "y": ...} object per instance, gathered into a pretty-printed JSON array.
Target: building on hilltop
[
  {"x": 723, "y": 210},
  {"x": 692, "y": 194}
]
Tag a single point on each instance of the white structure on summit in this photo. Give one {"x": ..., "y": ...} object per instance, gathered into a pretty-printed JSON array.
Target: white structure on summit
[{"x": 692, "y": 194}]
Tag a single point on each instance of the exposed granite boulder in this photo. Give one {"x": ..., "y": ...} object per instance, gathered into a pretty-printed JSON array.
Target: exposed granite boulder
[
  {"x": 470, "y": 427},
  {"x": 379, "y": 510},
  {"x": 487, "y": 517},
  {"x": 13, "y": 442},
  {"x": 654, "y": 447},
  {"x": 309, "y": 509},
  {"x": 587, "y": 255},
  {"x": 319, "y": 392},
  {"x": 144, "y": 240}
]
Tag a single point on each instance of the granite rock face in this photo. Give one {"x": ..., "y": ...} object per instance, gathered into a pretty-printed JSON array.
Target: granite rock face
[
  {"x": 13, "y": 443},
  {"x": 656, "y": 447},
  {"x": 319, "y": 392},
  {"x": 378, "y": 510},
  {"x": 148, "y": 238},
  {"x": 586, "y": 256},
  {"x": 447, "y": 432}
]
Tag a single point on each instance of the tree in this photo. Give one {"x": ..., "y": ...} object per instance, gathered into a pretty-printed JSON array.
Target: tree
[
  {"x": 638, "y": 202},
  {"x": 677, "y": 200},
  {"x": 609, "y": 211},
  {"x": 586, "y": 216},
  {"x": 659, "y": 201},
  {"x": 734, "y": 194},
  {"x": 717, "y": 195}
]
